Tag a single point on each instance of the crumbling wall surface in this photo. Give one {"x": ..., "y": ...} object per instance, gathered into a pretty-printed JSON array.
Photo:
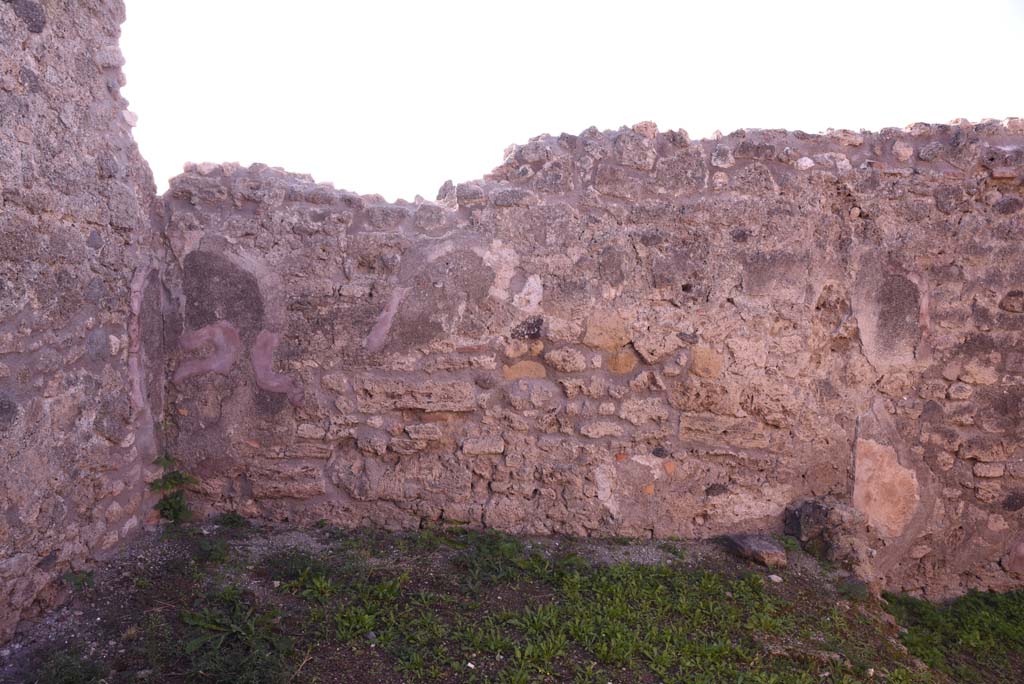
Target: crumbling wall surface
[
  {"x": 615, "y": 333},
  {"x": 75, "y": 199},
  {"x": 626, "y": 333}
]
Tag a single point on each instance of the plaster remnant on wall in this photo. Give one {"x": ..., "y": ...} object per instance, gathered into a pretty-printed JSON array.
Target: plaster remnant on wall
[
  {"x": 378, "y": 334},
  {"x": 530, "y": 297},
  {"x": 227, "y": 346},
  {"x": 884, "y": 490},
  {"x": 267, "y": 378},
  {"x": 503, "y": 259}
]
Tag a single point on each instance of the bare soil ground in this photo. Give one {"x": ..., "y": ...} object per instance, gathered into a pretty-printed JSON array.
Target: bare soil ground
[{"x": 229, "y": 601}]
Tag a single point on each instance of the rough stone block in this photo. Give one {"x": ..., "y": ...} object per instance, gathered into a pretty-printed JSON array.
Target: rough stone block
[
  {"x": 607, "y": 330},
  {"x": 376, "y": 395},
  {"x": 761, "y": 549},
  {"x": 483, "y": 445}
]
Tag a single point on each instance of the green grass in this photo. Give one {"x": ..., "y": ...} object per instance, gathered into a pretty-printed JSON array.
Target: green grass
[
  {"x": 212, "y": 550},
  {"x": 230, "y": 520},
  {"x": 468, "y": 606},
  {"x": 976, "y": 638},
  {"x": 231, "y": 642},
  {"x": 172, "y": 505},
  {"x": 789, "y": 543},
  {"x": 69, "y": 668},
  {"x": 80, "y": 580}
]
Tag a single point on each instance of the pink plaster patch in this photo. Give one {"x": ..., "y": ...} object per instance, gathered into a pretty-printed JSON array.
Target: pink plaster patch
[
  {"x": 263, "y": 364},
  {"x": 227, "y": 345}
]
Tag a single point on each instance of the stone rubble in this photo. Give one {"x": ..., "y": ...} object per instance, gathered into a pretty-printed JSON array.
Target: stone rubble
[{"x": 759, "y": 548}]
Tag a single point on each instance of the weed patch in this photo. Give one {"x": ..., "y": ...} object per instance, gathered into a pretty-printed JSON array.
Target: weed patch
[
  {"x": 232, "y": 642},
  {"x": 976, "y": 638},
  {"x": 70, "y": 668},
  {"x": 172, "y": 506},
  {"x": 460, "y": 605}
]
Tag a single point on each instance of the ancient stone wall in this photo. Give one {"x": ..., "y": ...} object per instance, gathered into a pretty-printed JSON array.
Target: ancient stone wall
[
  {"x": 75, "y": 203},
  {"x": 618, "y": 333},
  {"x": 625, "y": 333}
]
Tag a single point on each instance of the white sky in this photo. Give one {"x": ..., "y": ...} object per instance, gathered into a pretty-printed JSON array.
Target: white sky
[{"x": 397, "y": 97}]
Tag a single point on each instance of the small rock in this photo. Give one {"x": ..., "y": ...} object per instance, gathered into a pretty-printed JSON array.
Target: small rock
[
  {"x": 977, "y": 374},
  {"x": 30, "y": 12},
  {"x": 424, "y": 431},
  {"x": 705, "y": 362},
  {"x": 774, "y": 579},
  {"x": 989, "y": 469},
  {"x": 601, "y": 428},
  {"x": 1013, "y": 302},
  {"x": 607, "y": 330},
  {"x": 655, "y": 345},
  {"x": 623, "y": 361},
  {"x": 566, "y": 360},
  {"x": 524, "y": 369},
  {"x": 468, "y": 195},
  {"x": 109, "y": 57},
  {"x": 722, "y": 157},
  {"x": 1008, "y": 205},
  {"x": 804, "y": 163},
  {"x": 641, "y": 411},
  {"x": 530, "y": 329},
  {"x": 310, "y": 431},
  {"x": 903, "y": 150},
  {"x": 483, "y": 445},
  {"x": 930, "y": 151},
  {"x": 959, "y": 391},
  {"x": 758, "y": 548},
  {"x": 848, "y": 138}
]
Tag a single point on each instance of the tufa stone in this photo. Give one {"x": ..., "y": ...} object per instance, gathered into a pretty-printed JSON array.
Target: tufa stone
[{"x": 761, "y": 549}]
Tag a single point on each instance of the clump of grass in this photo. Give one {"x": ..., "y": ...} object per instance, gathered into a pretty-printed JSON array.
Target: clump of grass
[
  {"x": 311, "y": 585},
  {"x": 80, "y": 580},
  {"x": 69, "y": 668},
  {"x": 232, "y": 642},
  {"x": 853, "y": 589},
  {"x": 789, "y": 543},
  {"x": 212, "y": 550},
  {"x": 172, "y": 505},
  {"x": 290, "y": 564},
  {"x": 423, "y": 540},
  {"x": 978, "y": 637},
  {"x": 672, "y": 549},
  {"x": 230, "y": 519},
  {"x": 488, "y": 557},
  {"x": 158, "y": 645},
  {"x": 372, "y": 606}
]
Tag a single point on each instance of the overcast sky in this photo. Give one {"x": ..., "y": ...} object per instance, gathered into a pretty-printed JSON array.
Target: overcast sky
[{"x": 396, "y": 97}]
